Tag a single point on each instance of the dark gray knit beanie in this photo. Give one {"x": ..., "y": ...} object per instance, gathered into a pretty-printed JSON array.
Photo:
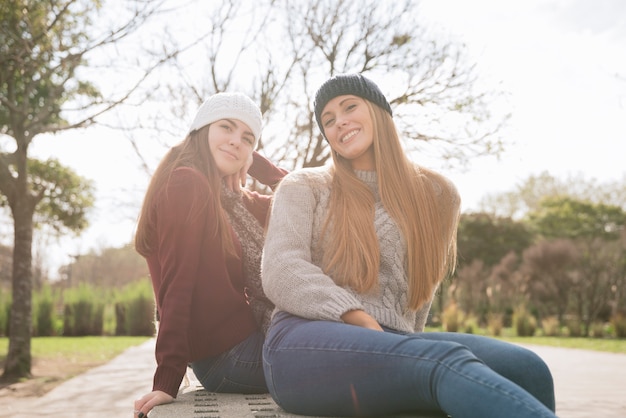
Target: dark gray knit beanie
[{"x": 343, "y": 84}]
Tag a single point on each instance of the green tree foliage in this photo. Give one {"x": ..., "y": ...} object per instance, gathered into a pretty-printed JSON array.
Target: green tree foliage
[
  {"x": 489, "y": 238},
  {"x": 528, "y": 195},
  {"x": 565, "y": 217},
  {"x": 64, "y": 196}
]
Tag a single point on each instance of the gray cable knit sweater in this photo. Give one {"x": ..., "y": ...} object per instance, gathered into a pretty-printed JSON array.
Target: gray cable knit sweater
[{"x": 291, "y": 273}]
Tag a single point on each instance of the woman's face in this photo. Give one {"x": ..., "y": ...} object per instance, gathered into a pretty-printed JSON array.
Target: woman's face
[
  {"x": 348, "y": 127},
  {"x": 231, "y": 142}
]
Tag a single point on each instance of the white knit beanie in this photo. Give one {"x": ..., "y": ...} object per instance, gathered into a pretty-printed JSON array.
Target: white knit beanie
[{"x": 229, "y": 106}]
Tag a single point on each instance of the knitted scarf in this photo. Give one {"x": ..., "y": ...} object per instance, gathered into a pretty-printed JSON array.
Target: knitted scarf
[{"x": 251, "y": 236}]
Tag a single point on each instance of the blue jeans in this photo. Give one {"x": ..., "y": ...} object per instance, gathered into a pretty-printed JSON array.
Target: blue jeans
[
  {"x": 239, "y": 370},
  {"x": 334, "y": 369}
]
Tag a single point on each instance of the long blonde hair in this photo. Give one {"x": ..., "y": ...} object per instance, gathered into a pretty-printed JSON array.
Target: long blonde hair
[
  {"x": 193, "y": 152},
  {"x": 411, "y": 199}
]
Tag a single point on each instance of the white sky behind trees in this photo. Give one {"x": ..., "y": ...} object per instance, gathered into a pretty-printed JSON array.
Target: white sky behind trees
[{"x": 561, "y": 62}]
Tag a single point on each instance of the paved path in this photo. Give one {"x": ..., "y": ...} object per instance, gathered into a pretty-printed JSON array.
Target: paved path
[
  {"x": 588, "y": 384},
  {"x": 105, "y": 391}
]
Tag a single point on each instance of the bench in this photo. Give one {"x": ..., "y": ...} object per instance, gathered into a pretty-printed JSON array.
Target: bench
[{"x": 193, "y": 401}]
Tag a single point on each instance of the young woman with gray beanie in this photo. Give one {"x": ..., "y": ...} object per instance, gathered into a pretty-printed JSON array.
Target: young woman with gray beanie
[
  {"x": 202, "y": 236},
  {"x": 353, "y": 256}
]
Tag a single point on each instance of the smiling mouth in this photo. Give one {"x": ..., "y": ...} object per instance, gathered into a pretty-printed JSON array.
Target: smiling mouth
[
  {"x": 349, "y": 135},
  {"x": 233, "y": 156}
]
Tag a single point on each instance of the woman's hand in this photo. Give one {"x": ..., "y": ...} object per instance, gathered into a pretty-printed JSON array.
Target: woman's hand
[
  {"x": 361, "y": 318},
  {"x": 149, "y": 401},
  {"x": 235, "y": 181}
]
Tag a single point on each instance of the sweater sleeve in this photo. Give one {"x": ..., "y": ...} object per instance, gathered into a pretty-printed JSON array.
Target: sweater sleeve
[
  {"x": 290, "y": 279},
  {"x": 181, "y": 217},
  {"x": 265, "y": 172}
]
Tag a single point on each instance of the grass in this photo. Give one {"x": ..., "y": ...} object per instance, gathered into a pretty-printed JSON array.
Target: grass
[
  {"x": 610, "y": 345},
  {"x": 80, "y": 350},
  {"x": 595, "y": 344}
]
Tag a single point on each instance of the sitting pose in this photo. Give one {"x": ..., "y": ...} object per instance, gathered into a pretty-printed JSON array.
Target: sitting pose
[
  {"x": 353, "y": 255},
  {"x": 202, "y": 236}
]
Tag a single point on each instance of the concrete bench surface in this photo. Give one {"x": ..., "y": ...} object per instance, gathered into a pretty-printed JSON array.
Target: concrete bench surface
[{"x": 195, "y": 402}]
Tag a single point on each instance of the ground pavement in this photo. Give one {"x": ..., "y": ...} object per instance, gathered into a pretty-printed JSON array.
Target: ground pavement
[{"x": 588, "y": 384}]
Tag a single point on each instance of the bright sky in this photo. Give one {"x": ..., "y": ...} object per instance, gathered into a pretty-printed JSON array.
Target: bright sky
[{"x": 562, "y": 61}]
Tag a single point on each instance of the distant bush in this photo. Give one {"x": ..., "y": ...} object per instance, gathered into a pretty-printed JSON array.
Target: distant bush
[
  {"x": 598, "y": 330},
  {"x": 43, "y": 312},
  {"x": 551, "y": 326},
  {"x": 134, "y": 310},
  {"x": 470, "y": 324},
  {"x": 495, "y": 323},
  {"x": 451, "y": 318},
  {"x": 5, "y": 312},
  {"x": 525, "y": 324},
  {"x": 574, "y": 327},
  {"x": 618, "y": 321},
  {"x": 83, "y": 312}
]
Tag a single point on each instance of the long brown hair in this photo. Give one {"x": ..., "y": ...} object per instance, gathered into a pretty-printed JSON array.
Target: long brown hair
[
  {"x": 352, "y": 258},
  {"x": 193, "y": 152}
]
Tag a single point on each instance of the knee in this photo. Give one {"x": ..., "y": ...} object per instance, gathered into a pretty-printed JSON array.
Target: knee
[
  {"x": 533, "y": 374},
  {"x": 534, "y": 368}
]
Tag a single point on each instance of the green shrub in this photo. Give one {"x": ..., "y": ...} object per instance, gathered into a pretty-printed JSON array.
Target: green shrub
[
  {"x": 470, "y": 324},
  {"x": 598, "y": 330},
  {"x": 5, "y": 312},
  {"x": 134, "y": 310},
  {"x": 109, "y": 319},
  {"x": 618, "y": 321},
  {"x": 43, "y": 312},
  {"x": 495, "y": 323},
  {"x": 551, "y": 326},
  {"x": 83, "y": 312},
  {"x": 525, "y": 324},
  {"x": 45, "y": 319},
  {"x": 574, "y": 327},
  {"x": 451, "y": 317}
]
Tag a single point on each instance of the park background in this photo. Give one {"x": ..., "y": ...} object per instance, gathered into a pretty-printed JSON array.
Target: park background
[{"x": 551, "y": 79}]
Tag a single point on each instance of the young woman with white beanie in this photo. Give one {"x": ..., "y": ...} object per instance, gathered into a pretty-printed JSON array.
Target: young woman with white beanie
[{"x": 202, "y": 236}]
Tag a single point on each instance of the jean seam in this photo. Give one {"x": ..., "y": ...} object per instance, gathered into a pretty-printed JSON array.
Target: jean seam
[{"x": 271, "y": 378}]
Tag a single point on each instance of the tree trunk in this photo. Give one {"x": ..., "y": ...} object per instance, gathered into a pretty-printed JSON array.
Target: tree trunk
[{"x": 18, "y": 361}]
